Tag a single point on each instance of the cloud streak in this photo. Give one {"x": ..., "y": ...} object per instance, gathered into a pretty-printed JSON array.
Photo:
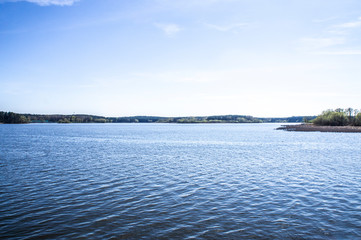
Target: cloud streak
[
  {"x": 169, "y": 29},
  {"x": 47, "y": 2},
  {"x": 346, "y": 52},
  {"x": 339, "y": 35},
  {"x": 226, "y": 28},
  {"x": 353, "y": 24},
  {"x": 316, "y": 43}
]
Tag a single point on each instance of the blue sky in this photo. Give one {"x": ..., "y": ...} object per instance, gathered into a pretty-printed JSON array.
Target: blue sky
[{"x": 264, "y": 58}]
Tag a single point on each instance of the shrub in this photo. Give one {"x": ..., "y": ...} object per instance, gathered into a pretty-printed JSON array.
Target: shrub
[{"x": 331, "y": 118}]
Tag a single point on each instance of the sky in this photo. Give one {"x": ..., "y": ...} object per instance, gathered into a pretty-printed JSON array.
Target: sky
[{"x": 265, "y": 58}]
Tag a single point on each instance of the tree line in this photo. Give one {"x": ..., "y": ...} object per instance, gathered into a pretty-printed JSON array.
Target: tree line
[
  {"x": 208, "y": 119},
  {"x": 339, "y": 117},
  {"x": 10, "y": 117},
  {"x": 336, "y": 117}
]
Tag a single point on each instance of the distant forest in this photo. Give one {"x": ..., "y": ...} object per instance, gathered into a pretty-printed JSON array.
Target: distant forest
[{"x": 10, "y": 117}]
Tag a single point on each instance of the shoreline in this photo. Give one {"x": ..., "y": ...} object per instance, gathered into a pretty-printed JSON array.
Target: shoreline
[{"x": 316, "y": 128}]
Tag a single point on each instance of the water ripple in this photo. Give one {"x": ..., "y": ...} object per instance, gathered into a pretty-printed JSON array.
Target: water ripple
[{"x": 177, "y": 182}]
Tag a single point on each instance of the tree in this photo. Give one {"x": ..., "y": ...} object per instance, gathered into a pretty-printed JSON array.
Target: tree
[
  {"x": 357, "y": 121},
  {"x": 332, "y": 118},
  {"x": 349, "y": 112},
  {"x": 306, "y": 120}
]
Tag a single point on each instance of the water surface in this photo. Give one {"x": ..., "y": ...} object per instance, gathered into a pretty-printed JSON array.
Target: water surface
[{"x": 154, "y": 181}]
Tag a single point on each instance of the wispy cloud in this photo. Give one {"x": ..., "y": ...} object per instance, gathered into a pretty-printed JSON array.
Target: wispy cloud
[
  {"x": 317, "y": 43},
  {"x": 344, "y": 28},
  {"x": 169, "y": 29},
  {"x": 46, "y": 2},
  {"x": 226, "y": 28},
  {"x": 345, "y": 52},
  {"x": 190, "y": 4},
  {"x": 353, "y": 24},
  {"x": 323, "y": 20},
  {"x": 334, "y": 37}
]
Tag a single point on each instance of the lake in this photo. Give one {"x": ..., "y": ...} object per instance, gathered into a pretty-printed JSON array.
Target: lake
[{"x": 174, "y": 181}]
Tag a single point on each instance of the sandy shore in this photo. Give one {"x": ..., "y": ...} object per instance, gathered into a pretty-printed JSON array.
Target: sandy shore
[{"x": 315, "y": 128}]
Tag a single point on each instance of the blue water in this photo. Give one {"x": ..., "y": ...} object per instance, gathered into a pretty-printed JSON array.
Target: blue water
[{"x": 172, "y": 181}]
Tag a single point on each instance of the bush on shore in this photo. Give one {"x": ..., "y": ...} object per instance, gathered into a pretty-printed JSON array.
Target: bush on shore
[{"x": 339, "y": 117}]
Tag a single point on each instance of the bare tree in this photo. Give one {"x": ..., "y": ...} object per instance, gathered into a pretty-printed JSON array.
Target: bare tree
[{"x": 349, "y": 111}]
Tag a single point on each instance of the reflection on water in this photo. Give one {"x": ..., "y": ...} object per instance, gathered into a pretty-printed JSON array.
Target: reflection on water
[{"x": 131, "y": 181}]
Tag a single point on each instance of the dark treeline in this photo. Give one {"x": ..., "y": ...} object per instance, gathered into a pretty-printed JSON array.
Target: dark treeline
[
  {"x": 76, "y": 118},
  {"x": 339, "y": 117},
  {"x": 136, "y": 119},
  {"x": 297, "y": 119},
  {"x": 10, "y": 117},
  {"x": 207, "y": 119}
]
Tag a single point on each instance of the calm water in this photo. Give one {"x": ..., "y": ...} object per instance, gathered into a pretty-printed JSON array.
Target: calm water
[{"x": 161, "y": 181}]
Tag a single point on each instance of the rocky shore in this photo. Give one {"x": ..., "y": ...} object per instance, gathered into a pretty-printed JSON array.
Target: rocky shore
[{"x": 315, "y": 128}]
